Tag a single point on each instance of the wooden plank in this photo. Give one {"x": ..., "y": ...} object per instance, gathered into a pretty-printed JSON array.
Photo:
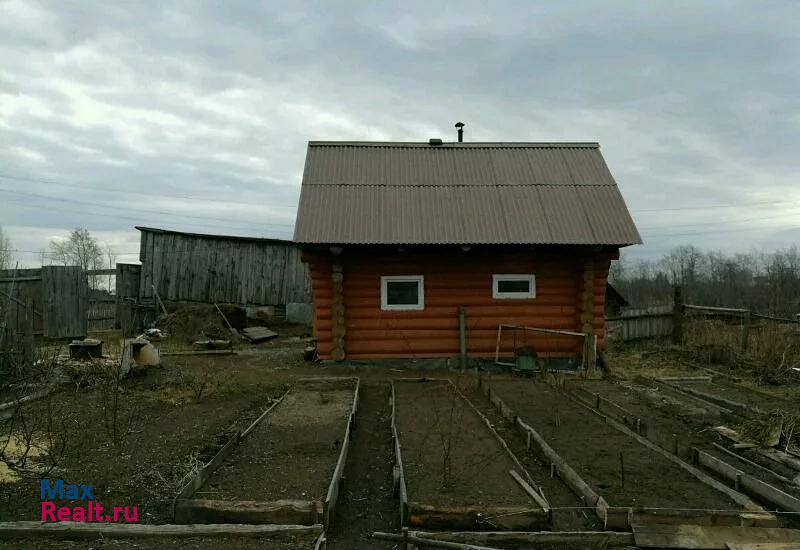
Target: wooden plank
[
  {"x": 517, "y": 518},
  {"x": 530, "y": 491},
  {"x": 263, "y": 415},
  {"x": 258, "y": 334},
  {"x": 707, "y": 537},
  {"x": 398, "y": 456},
  {"x": 286, "y": 512},
  {"x": 736, "y": 496},
  {"x": 534, "y": 492},
  {"x": 333, "y": 489},
  {"x": 69, "y": 529},
  {"x": 407, "y": 539},
  {"x": 748, "y": 484},
  {"x": 526, "y": 539},
  {"x": 764, "y": 545}
]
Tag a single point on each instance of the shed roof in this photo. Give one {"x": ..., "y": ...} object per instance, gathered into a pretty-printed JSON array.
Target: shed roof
[{"x": 460, "y": 193}]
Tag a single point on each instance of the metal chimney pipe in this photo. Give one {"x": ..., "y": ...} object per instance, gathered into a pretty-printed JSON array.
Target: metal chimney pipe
[{"x": 460, "y": 126}]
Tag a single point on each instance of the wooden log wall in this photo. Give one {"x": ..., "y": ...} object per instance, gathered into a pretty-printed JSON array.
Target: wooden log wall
[
  {"x": 205, "y": 268},
  {"x": 454, "y": 279}
]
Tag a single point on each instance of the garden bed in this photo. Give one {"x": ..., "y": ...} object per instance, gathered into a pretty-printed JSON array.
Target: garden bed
[
  {"x": 456, "y": 473},
  {"x": 620, "y": 469},
  {"x": 280, "y": 470}
]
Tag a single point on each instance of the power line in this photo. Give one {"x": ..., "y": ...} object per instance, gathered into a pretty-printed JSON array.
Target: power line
[
  {"x": 793, "y": 214},
  {"x": 741, "y": 205},
  {"x": 128, "y": 208},
  {"x": 104, "y": 189},
  {"x": 138, "y": 220}
]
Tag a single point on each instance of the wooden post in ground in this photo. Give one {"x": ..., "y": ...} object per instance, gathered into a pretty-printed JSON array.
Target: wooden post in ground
[
  {"x": 677, "y": 316},
  {"x": 587, "y": 316},
  {"x": 745, "y": 329},
  {"x": 337, "y": 310}
]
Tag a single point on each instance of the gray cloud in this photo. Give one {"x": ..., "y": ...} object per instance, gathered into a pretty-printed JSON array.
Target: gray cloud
[{"x": 137, "y": 105}]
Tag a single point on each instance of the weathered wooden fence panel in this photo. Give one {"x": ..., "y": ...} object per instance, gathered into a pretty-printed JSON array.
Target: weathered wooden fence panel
[
  {"x": 65, "y": 295},
  {"x": 21, "y": 291},
  {"x": 208, "y": 268},
  {"x": 127, "y": 289},
  {"x": 651, "y": 322}
]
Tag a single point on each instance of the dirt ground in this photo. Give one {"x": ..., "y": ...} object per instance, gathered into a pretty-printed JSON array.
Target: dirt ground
[
  {"x": 166, "y": 428},
  {"x": 449, "y": 457},
  {"x": 597, "y": 457},
  {"x": 366, "y": 503},
  {"x": 189, "y": 543},
  {"x": 291, "y": 454},
  {"x": 732, "y": 391}
]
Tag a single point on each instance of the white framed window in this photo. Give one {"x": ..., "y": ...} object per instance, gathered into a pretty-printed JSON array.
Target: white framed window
[
  {"x": 403, "y": 293},
  {"x": 509, "y": 286}
]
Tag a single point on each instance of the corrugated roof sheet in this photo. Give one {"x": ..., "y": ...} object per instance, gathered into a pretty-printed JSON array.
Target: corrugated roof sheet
[{"x": 460, "y": 193}]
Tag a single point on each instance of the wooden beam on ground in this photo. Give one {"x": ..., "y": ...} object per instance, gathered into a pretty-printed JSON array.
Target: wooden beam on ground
[
  {"x": 530, "y": 491},
  {"x": 536, "y": 492},
  {"x": 564, "y": 471},
  {"x": 526, "y": 539},
  {"x": 398, "y": 457},
  {"x": 407, "y": 538},
  {"x": 736, "y": 496},
  {"x": 515, "y": 518},
  {"x": 747, "y": 483},
  {"x": 198, "y": 352},
  {"x": 68, "y": 529},
  {"x": 717, "y": 400},
  {"x": 263, "y": 415},
  {"x": 286, "y": 512},
  {"x": 332, "y": 496},
  {"x": 708, "y": 537}
]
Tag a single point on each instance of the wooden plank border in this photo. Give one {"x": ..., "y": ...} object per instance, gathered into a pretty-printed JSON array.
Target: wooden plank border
[
  {"x": 565, "y": 472},
  {"x": 536, "y": 494},
  {"x": 593, "y": 539},
  {"x": 747, "y": 483},
  {"x": 398, "y": 457},
  {"x": 736, "y": 496},
  {"x": 68, "y": 529},
  {"x": 263, "y": 415},
  {"x": 335, "y": 486}
]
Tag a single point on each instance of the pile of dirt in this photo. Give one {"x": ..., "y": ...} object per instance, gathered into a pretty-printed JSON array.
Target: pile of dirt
[{"x": 201, "y": 322}]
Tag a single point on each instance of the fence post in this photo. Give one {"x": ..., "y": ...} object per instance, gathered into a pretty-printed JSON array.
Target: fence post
[
  {"x": 677, "y": 316},
  {"x": 745, "y": 329}
]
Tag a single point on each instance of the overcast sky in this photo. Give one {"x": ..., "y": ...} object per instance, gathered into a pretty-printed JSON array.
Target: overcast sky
[{"x": 194, "y": 115}]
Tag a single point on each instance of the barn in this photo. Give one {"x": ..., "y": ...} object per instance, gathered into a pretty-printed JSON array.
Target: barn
[{"x": 424, "y": 249}]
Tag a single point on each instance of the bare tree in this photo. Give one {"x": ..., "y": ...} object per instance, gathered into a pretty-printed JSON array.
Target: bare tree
[
  {"x": 80, "y": 248},
  {"x": 6, "y": 250}
]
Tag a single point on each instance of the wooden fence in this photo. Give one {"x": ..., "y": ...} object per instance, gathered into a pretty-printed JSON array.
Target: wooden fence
[
  {"x": 190, "y": 267},
  {"x": 51, "y": 301},
  {"x": 639, "y": 323},
  {"x": 669, "y": 320}
]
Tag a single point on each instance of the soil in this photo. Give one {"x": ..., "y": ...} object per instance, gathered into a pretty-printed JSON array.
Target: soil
[
  {"x": 665, "y": 415},
  {"x": 435, "y": 424},
  {"x": 167, "y": 426},
  {"x": 558, "y": 494},
  {"x": 593, "y": 450},
  {"x": 736, "y": 392},
  {"x": 366, "y": 503},
  {"x": 289, "y": 455},
  {"x": 188, "y": 543}
]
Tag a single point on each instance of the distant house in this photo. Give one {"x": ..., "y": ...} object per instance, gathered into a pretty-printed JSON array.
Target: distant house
[{"x": 399, "y": 236}]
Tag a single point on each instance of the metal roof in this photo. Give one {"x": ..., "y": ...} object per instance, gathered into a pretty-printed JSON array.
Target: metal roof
[
  {"x": 145, "y": 229},
  {"x": 460, "y": 193}
]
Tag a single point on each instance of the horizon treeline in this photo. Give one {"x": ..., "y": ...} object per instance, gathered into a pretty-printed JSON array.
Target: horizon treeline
[{"x": 763, "y": 281}]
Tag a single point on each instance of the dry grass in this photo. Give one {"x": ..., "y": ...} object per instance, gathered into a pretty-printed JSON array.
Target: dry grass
[{"x": 773, "y": 348}]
